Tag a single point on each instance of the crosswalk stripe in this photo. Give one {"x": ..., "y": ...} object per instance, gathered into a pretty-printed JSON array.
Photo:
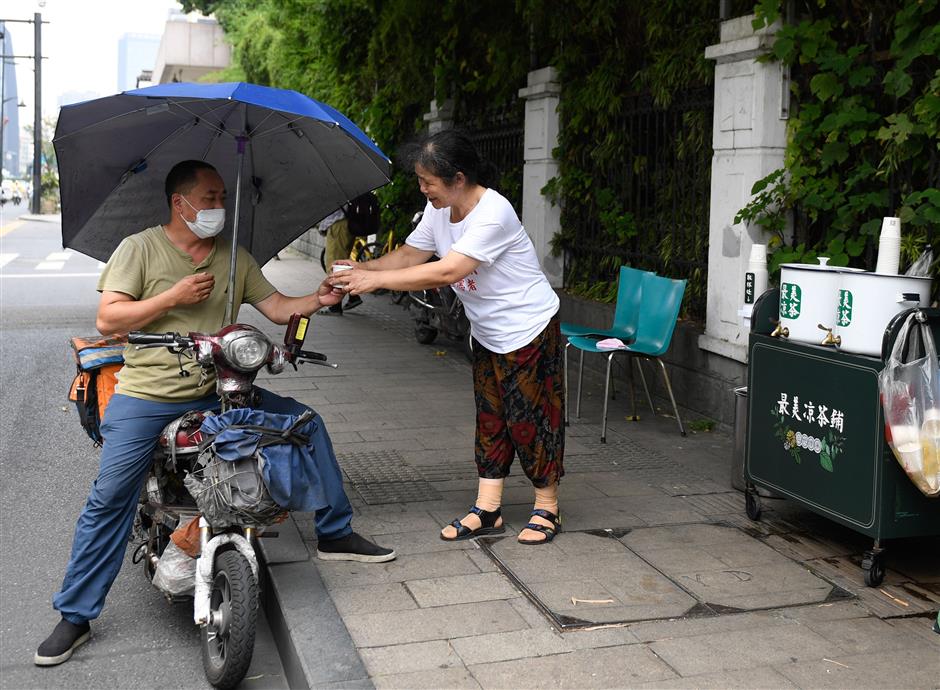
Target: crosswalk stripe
[
  {"x": 59, "y": 256},
  {"x": 50, "y": 265},
  {"x": 6, "y": 258}
]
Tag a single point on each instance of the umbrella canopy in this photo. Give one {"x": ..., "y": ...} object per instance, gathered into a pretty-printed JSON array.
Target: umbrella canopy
[{"x": 301, "y": 158}]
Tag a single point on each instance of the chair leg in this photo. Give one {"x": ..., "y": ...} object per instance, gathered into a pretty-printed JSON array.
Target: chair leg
[
  {"x": 610, "y": 358},
  {"x": 633, "y": 415},
  {"x": 577, "y": 411},
  {"x": 567, "y": 398},
  {"x": 671, "y": 396},
  {"x": 646, "y": 388}
]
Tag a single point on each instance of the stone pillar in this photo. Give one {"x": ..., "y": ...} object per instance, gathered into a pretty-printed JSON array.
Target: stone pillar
[
  {"x": 542, "y": 220},
  {"x": 749, "y": 136},
  {"x": 440, "y": 117}
]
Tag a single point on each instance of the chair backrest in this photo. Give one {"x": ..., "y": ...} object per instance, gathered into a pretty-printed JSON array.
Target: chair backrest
[
  {"x": 659, "y": 310},
  {"x": 628, "y": 301}
]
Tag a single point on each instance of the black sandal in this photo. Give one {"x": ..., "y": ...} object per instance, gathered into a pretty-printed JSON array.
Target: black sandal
[
  {"x": 487, "y": 517},
  {"x": 549, "y": 532}
]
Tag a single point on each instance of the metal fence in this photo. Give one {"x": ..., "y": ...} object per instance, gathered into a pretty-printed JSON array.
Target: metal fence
[
  {"x": 650, "y": 209},
  {"x": 499, "y": 137}
]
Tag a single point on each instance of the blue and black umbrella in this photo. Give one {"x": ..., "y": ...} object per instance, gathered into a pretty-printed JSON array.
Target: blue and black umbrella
[{"x": 287, "y": 161}]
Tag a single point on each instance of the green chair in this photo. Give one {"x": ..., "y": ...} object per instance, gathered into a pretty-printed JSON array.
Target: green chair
[
  {"x": 659, "y": 310},
  {"x": 624, "y": 326}
]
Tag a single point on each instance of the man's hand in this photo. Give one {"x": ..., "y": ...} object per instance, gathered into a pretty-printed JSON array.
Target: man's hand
[
  {"x": 193, "y": 289},
  {"x": 327, "y": 295}
]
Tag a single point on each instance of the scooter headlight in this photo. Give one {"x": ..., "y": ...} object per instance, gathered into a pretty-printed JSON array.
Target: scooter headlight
[{"x": 248, "y": 352}]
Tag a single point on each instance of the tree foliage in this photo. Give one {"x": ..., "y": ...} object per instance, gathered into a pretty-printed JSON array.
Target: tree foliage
[
  {"x": 608, "y": 53},
  {"x": 382, "y": 61},
  {"x": 863, "y": 139}
]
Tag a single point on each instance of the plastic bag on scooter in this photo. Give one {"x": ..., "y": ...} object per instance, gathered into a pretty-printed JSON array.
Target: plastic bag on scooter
[
  {"x": 293, "y": 450},
  {"x": 176, "y": 571},
  {"x": 910, "y": 394}
]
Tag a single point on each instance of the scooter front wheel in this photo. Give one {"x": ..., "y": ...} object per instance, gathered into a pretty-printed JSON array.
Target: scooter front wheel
[{"x": 228, "y": 640}]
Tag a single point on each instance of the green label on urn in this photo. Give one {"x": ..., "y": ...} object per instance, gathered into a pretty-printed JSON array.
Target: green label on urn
[
  {"x": 844, "y": 315},
  {"x": 791, "y": 298}
]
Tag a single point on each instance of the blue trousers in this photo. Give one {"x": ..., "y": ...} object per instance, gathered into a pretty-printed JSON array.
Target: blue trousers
[{"x": 130, "y": 429}]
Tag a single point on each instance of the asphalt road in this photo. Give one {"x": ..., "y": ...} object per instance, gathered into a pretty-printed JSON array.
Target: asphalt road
[{"x": 47, "y": 465}]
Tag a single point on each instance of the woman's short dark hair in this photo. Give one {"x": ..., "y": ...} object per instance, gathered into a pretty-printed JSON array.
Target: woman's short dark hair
[
  {"x": 448, "y": 152},
  {"x": 183, "y": 178}
]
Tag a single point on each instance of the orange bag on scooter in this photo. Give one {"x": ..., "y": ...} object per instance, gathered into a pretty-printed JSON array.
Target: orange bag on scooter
[{"x": 98, "y": 361}]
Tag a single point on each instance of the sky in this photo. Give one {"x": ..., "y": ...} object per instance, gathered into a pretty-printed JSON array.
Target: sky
[{"x": 80, "y": 42}]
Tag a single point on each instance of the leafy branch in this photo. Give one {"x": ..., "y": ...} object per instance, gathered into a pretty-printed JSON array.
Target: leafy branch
[{"x": 864, "y": 137}]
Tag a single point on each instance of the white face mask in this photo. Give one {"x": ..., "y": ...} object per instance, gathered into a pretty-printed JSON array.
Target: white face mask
[{"x": 209, "y": 221}]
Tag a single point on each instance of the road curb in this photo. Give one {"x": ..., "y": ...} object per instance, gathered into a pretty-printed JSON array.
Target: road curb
[
  {"x": 41, "y": 217},
  {"x": 315, "y": 647}
]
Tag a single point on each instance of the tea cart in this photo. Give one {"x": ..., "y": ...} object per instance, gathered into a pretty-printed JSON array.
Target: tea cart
[{"x": 816, "y": 436}]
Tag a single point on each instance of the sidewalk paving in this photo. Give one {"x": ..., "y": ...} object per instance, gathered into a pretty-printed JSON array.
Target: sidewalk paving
[{"x": 659, "y": 579}]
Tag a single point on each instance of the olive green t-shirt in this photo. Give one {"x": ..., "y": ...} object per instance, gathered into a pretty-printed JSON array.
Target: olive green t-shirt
[{"x": 147, "y": 264}]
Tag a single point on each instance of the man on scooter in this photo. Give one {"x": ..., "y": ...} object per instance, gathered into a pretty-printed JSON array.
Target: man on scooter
[{"x": 174, "y": 277}]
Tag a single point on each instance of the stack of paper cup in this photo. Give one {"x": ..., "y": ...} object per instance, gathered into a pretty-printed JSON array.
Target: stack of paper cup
[
  {"x": 757, "y": 264},
  {"x": 889, "y": 246},
  {"x": 755, "y": 283}
]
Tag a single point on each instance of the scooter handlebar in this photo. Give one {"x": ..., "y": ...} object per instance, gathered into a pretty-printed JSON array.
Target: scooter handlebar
[
  {"x": 141, "y": 338},
  {"x": 301, "y": 356},
  {"x": 150, "y": 340}
]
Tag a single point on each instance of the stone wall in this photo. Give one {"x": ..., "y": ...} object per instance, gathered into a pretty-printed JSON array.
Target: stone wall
[{"x": 310, "y": 244}]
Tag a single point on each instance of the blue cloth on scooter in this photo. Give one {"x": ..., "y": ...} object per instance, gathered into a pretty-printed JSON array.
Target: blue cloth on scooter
[{"x": 291, "y": 470}]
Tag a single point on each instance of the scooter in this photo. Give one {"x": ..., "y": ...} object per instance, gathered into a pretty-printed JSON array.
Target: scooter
[{"x": 187, "y": 481}]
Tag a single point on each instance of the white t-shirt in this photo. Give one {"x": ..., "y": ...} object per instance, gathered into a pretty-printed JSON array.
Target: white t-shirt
[{"x": 507, "y": 298}]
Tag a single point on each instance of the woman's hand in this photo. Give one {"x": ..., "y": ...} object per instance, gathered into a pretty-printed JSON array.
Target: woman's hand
[{"x": 356, "y": 281}]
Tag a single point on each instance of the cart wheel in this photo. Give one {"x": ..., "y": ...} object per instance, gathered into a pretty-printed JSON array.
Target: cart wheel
[
  {"x": 874, "y": 566},
  {"x": 752, "y": 505}
]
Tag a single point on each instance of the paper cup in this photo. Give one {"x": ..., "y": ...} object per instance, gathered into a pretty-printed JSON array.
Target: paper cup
[
  {"x": 891, "y": 227},
  {"x": 889, "y": 255},
  {"x": 336, "y": 270}
]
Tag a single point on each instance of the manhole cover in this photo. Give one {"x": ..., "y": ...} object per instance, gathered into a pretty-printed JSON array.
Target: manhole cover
[
  {"x": 653, "y": 573},
  {"x": 383, "y": 477}
]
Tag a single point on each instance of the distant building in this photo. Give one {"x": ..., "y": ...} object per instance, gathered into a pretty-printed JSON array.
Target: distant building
[
  {"x": 136, "y": 53},
  {"x": 11, "y": 111},
  {"x": 26, "y": 156},
  {"x": 191, "y": 46}
]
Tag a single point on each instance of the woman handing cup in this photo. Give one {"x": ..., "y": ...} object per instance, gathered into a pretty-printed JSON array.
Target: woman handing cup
[{"x": 518, "y": 380}]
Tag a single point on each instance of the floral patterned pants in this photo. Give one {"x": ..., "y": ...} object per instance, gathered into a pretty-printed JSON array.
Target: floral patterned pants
[{"x": 520, "y": 401}]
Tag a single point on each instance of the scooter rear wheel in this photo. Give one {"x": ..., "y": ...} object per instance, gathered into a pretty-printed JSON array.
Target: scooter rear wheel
[{"x": 228, "y": 640}]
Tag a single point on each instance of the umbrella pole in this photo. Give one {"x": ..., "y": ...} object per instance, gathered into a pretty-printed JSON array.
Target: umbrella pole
[{"x": 230, "y": 304}]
